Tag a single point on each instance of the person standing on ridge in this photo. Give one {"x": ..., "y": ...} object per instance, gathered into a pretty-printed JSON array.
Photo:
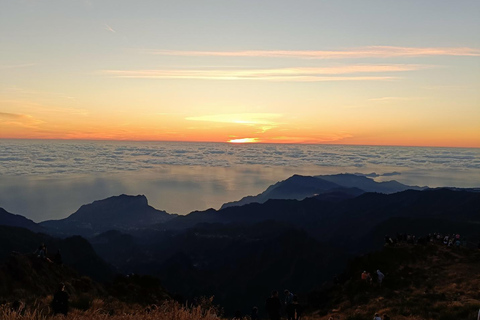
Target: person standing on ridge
[
  {"x": 60, "y": 301},
  {"x": 380, "y": 277},
  {"x": 288, "y": 297},
  {"x": 273, "y": 306},
  {"x": 293, "y": 309}
]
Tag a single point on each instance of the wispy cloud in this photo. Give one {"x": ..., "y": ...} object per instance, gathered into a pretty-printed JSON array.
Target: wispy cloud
[
  {"x": 388, "y": 99},
  {"x": 325, "y": 138},
  {"x": 22, "y": 120},
  {"x": 334, "y": 73},
  {"x": 262, "y": 122},
  {"x": 361, "y": 52},
  {"x": 241, "y": 118},
  {"x": 108, "y": 28}
]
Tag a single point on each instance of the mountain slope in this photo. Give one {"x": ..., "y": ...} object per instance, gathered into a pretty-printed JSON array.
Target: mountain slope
[{"x": 15, "y": 220}]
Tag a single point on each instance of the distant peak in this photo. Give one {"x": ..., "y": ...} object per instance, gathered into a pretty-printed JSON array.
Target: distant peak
[{"x": 141, "y": 199}]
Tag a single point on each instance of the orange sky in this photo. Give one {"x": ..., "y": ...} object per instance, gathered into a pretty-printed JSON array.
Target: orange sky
[{"x": 326, "y": 73}]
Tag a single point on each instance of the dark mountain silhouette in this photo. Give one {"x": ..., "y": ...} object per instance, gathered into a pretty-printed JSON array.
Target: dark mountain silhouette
[
  {"x": 120, "y": 249},
  {"x": 300, "y": 187},
  {"x": 238, "y": 264},
  {"x": 346, "y": 220},
  {"x": 16, "y": 220},
  {"x": 240, "y": 253},
  {"x": 366, "y": 184},
  {"x": 115, "y": 213}
]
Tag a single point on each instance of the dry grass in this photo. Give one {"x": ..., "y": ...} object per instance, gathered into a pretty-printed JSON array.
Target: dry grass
[
  {"x": 443, "y": 285},
  {"x": 101, "y": 310}
]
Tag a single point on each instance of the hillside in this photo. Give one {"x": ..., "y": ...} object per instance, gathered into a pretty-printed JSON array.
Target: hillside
[
  {"x": 431, "y": 281},
  {"x": 30, "y": 279},
  {"x": 76, "y": 251}
]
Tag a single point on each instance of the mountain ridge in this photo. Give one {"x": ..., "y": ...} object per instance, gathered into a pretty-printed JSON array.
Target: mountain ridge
[
  {"x": 299, "y": 187},
  {"x": 123, "y": 212}
]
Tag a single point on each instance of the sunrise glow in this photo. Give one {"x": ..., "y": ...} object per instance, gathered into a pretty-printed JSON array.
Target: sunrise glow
[
  {"x": 174, "y": 76},
  {"x": 244, "y": 140}
]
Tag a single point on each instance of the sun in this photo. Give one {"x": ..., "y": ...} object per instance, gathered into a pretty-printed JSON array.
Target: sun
[{"x": 244, "y": 140}]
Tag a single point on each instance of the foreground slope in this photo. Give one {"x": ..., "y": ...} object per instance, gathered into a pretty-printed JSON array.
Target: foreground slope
[{"x": 430, "y": 281}]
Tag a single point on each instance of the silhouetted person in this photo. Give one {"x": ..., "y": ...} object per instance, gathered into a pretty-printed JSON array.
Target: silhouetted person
[
  {"x": 293, "y": 309},
  {"x": 336, "y": 280},
  {"x": 254, "y": 314},
  {"x": 58, "y": 258},
  {"x": 238, "y": 315},
  {"x": 288, "y": 297},
  {"x": 273, "y": 306},
  {"x": 377, "y": 317},
  {"x": 16, "y": 305},
  {"x": 60, "y": 301},
  {"x": 41, "y": 252},
  {"x": 386, "y": 317},
  {"x": 380, "y": 277}
]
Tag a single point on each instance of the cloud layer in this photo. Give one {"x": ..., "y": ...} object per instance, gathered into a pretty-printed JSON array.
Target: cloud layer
[
  {"x": 361, "y": 52},
  {"x": 301, "y": 74},
  {"x": 53, "y": 158}
]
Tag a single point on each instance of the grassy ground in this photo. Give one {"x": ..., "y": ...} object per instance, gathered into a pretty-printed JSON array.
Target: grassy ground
[
  {"x": 422, "y": 282},
  {"x": 99, "y": 310}
]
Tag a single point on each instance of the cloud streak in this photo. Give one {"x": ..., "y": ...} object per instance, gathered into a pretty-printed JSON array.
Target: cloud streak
[
  {"x": 22, "y": 120},
  {"x": 301, "y": 74},
  {"x": 388, "y": 99},
  {"x": 361, "y": 52},
  {"x": 240, "y": 118},
  {"x": 108, "y": 28}
]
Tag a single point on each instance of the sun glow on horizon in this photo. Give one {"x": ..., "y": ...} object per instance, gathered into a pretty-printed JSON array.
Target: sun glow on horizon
[{"x": 244, "y": 140}]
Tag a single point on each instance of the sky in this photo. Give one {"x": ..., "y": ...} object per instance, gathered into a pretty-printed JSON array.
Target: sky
[{"x": 370, "y": 72}]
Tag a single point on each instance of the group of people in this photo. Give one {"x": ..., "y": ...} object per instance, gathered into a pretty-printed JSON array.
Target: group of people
[
  {"x": 367, "y": 277},
  {"x": 450, "y": 240},
  {"x": 60, "y": 299},
  {"x": 42, "y": 253},
  {"x": 377, "y": 317},
  {"x": 275, "y": 307}
]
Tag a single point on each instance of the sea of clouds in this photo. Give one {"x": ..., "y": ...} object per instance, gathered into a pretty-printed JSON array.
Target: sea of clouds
[
  {"x": 51, "y": 179},
  {"x": 59, "y": 157}
]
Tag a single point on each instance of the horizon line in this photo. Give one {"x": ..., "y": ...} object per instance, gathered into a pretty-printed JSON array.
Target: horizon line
[{"x": 248, "y": 143}]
